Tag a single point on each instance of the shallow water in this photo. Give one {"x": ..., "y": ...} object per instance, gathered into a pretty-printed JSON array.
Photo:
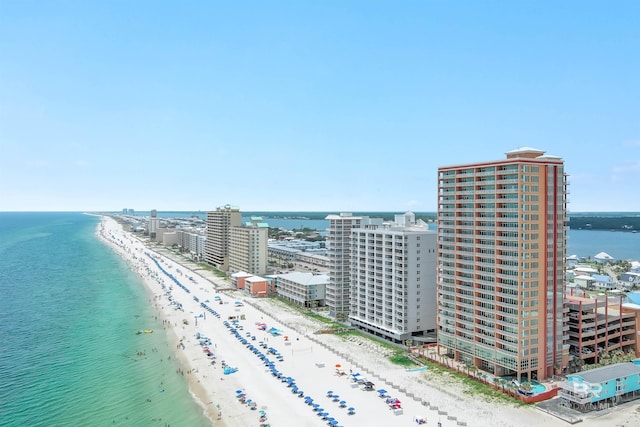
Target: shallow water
[{"x": 70, "y": 355}]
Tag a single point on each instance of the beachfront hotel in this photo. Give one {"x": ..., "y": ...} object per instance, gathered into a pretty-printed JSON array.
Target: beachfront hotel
[
  {"x": 339, "y": 254},
  {"x": 393, "y": 280},
  {"x": 219, "y": 223},
  {"x": 501, "y": 264},
  {"x": 248, "y": 247}
]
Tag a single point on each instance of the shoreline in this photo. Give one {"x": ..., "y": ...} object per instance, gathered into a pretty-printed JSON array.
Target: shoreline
[
  {"x": 196, "y": 390},
  {"x": 303, "y": 353}
]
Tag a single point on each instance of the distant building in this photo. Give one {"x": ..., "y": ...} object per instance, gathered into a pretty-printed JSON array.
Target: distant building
[
  {"x": 154, "y": 225},
  {"x": 192, "y": 241},
  {"x": 248, "y": 247},
  {"x": 219, "y": 224},
  {"x": 314, "y": 259},
  {"x": 572, "y": 261},
  {"x": 630, "y": 280},
  {"x": 584, "y": 281},
  {"x": 603, "y": 258},
  {"x": 393, "y": 280},
  {"x": 603, "y": 282},
  {"x": 299, "y": 250}
]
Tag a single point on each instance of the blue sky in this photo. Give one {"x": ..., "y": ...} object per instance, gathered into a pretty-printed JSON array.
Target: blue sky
[{"x": 309, "y": 106}]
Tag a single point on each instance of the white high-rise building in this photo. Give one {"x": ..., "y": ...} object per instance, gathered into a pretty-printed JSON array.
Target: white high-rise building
[
  {"x": 393, "y": 280},
  {"x": 339, "y": 254}
]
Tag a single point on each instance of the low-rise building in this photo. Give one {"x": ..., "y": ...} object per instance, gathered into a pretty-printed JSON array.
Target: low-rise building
[
  {"x": 602, "y": 387},
  {"x": 603, "y": 282},
  {"x": 303, "y": 289},
  {"x": 603, "y": 258},
  {"x": 255, "y": 286}
]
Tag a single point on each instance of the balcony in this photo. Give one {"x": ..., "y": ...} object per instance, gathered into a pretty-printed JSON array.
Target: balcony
[{"x": 579, "y": 398}]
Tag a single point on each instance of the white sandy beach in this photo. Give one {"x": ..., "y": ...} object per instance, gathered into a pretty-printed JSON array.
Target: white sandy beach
[{"x": 303, "y": 354}]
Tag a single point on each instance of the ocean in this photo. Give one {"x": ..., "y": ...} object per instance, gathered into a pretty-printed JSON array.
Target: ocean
[{"x": 69, "y": 352}]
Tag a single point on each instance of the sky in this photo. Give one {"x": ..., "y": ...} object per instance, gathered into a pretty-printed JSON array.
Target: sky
[{"x": 329, "y": 105}]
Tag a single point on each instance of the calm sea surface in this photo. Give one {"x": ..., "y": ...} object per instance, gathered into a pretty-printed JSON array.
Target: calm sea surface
[{"x": 69, "y": 354}]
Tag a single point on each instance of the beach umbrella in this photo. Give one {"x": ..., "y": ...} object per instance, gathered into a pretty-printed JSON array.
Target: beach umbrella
[
  {"x": 382, "y": 391},
  {"x": 333, "y": 422},
  {"x": 238, "y": 391}
]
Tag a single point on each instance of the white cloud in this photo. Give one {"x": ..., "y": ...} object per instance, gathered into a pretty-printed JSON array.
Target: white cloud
[
  {"x": 627, "y": 167},
  {"x": 635, "y": 143}
]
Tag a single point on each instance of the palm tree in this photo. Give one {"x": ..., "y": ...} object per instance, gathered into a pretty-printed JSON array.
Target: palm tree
[
  {"x": 526, "y": 387},
  {"x": 475, "y": 371},
  {"x": 467, "y": 367}
]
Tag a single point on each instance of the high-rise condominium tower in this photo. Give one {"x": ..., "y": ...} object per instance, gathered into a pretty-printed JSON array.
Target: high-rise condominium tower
[
  {"x": 501, "y": 261},
  {"x": 339, "y": 254},
  {"x": 219, "y": 223},
  {"x": 393, "y": 280},
  {"x": 248, "y": 247}
]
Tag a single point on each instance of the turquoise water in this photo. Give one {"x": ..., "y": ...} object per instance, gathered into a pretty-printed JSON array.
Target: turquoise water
[
  {"x": 537, "y": 388},
  {"x": 69, "y": 354}
]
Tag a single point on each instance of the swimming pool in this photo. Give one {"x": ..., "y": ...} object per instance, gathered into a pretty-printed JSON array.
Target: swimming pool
[{"x": 537, "y": 388}]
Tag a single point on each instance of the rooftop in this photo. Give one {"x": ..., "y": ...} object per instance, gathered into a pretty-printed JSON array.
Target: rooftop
[{"x": 611, "y": 372}]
